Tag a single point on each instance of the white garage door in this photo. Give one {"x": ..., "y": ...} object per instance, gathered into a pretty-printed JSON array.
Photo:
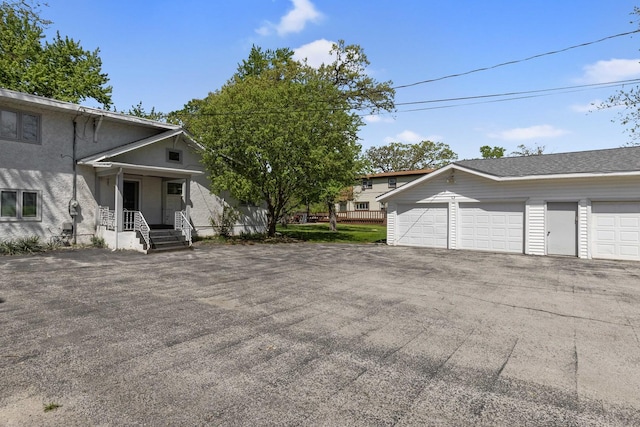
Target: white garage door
[
  {"x": 423, "y": 226},
  {"x": 492, "y": 227},
  {"x": 615, "y": 230}
]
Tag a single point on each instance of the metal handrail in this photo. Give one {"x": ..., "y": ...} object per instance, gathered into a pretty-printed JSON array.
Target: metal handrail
[
  {"x": 140, "y": 224},
  {"x": 182, "y": 223}
]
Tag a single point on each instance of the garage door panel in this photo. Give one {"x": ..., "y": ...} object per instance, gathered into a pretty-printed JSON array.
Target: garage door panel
[
  {"x": 615, "y": 230},
  {"x": 492, "y": 226},
  {"x": 423, "y": 225}
]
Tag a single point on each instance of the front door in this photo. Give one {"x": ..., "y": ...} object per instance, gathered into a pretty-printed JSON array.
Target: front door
[
  {"x": 562, "y": 229},
  {"x": 131, "y": 195},
  {"x": 172, "y": 201}
]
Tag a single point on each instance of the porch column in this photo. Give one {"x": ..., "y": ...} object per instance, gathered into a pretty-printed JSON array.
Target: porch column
[
  {"x": 118, "y": 200},
  {"x": 187, "y": 196}
]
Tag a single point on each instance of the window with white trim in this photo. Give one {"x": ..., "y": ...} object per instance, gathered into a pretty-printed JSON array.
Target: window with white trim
[
  {"x": 367, "y": 183},
  {"x": 362, "y": 206},
  {"x": 19, "y": 126},
  {"x": 20, "y": 205},
  {"x": 392, "y": 182}
]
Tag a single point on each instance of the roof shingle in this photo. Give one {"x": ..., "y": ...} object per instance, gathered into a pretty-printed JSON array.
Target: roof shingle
[{"x": 625, "y": 159}]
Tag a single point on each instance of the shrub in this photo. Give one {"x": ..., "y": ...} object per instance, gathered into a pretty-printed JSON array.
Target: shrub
[
  {"x": 23, "y": 245},
  {"x": 98, "y": 242},
  {"x": 224, "y": 221}
]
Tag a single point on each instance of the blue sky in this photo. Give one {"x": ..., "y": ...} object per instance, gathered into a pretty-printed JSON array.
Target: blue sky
[{"x": 165, "y": 53}]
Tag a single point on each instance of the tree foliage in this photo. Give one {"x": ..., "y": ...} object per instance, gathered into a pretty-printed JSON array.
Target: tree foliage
[
  {"x": 489, "y": 152},
  {"x": 398, "y": 156},
  {"x": 140, "y": 111},
  {"x": 523, "y": 150},
  {"x": 280, "y": 132},
  {"x": 59, "y": 68},
  {"x": 630, "y": 100}
]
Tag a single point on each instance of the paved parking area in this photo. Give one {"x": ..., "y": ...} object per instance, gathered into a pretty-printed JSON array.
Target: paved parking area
[{"x": 303, "y": 334}]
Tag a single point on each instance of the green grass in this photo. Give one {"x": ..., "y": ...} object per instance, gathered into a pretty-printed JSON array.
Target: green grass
[{"x": 346, "y": 233}]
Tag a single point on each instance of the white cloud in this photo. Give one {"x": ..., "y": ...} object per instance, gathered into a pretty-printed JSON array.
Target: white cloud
[
  {"x": 586, "y": 108},
  {"x": 316, "y": 53},
  {"x": 378, "y": 118},
  {"x": 411, "y": 137},
  {"x": 294, "y": 21},
  {"x": 610, "y": 71},
  {"x": 532, "y": 132}
]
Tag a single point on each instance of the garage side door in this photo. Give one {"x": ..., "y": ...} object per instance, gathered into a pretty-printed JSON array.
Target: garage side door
[
  {"x": 615, "y": 230},
  {"x": 492, "y": 227},
  {"x": 423, "y": 226}
]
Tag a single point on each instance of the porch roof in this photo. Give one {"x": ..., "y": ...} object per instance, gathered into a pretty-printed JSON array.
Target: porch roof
[{"x": 109, "y": 168}]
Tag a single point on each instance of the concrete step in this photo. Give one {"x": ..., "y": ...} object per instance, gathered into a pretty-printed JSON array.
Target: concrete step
[{"x": 167, "y": 240}]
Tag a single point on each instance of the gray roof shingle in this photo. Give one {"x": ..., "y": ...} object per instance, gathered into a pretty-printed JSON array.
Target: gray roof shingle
[{"x": 625, "y": 159}]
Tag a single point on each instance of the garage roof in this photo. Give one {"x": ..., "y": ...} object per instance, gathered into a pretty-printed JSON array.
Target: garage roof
[
  {"x": 611, "y": 162},
  {"x": 624, "y": 159}
]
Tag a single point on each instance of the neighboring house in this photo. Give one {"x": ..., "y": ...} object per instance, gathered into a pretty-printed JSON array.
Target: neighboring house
[
  {"x": 84, "y": 172},
  {"x": 374, "y": 185},
  {"x": 584, "y": 204}
]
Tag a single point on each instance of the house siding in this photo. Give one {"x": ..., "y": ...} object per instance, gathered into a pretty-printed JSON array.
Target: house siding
[
  {"x": 584, "y": 214},
  {"x": 454, "y": 211},
  {"x": 535, "y": 229},
  {"x": 392, "y": 216}
]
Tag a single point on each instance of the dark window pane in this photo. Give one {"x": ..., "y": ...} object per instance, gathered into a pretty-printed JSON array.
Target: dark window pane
[
  {"x": 9, "y": 124},
  {"x": 29, "y": 205},
  {"x": 30, "y": 128},
  {"x": 174, "y": 156},
  {"x": 8, "y": 201},
  {"x": 174, "y": 188}
]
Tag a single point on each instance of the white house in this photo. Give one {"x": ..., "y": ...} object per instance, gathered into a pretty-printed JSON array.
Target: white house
[
  {"x": 71, "y": 170},
  {"x": 584, "y": 204}
]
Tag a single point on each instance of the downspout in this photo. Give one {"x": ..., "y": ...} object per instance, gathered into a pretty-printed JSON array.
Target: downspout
[{"x": 75, "y": 182}]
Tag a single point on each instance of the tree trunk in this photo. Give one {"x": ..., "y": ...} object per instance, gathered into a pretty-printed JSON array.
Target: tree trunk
[
  {"x": 333, "y": 220},
  {"x": 272, "y": 220}
]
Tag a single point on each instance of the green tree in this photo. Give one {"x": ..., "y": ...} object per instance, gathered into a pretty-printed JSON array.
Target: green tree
[
  {"x": 523, "y": 150},
  {"x": 492, "y": 152},
  {"x": 59, "y": 68},
  {"x": 276, "y": 133},
  {"x": 280, "y": 132},
  {"x": 139, "y": 111},
  {"x": 398, "y": 156}
]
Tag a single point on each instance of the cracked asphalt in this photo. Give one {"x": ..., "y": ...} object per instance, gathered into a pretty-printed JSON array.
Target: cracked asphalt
[{"x": 302, "y": 334}]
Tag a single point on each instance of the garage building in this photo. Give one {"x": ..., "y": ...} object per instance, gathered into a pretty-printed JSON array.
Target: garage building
[{"x": 584, "y": 204}]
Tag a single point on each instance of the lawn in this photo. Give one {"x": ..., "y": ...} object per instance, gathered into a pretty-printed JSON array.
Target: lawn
[{"x": 347, "y": 233}]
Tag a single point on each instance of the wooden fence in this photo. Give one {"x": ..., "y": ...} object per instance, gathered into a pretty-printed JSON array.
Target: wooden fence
[{"x": 347, "y": 217}]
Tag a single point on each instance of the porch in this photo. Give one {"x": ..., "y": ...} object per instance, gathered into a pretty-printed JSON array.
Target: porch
[{"x": 130, "y": 230}]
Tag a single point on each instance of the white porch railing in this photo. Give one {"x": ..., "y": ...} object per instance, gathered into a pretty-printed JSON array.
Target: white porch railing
[
  {"x": 182, "y": 223},
  {"x": 131, "y": 221}
]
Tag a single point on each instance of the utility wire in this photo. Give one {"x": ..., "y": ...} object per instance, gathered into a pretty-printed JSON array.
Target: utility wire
[
  {"x": 516, "y": 61},
  {"x": 565, "y": 88}
]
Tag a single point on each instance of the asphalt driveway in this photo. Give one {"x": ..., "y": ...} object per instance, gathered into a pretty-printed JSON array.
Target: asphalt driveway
[{"x": 303, "y": 334}]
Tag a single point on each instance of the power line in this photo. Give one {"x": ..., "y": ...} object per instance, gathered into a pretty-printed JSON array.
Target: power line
[
  {"x": 553, "y": 52},
  {"x": 526, "y": 95},
  {"x": 464, "y": 98}
]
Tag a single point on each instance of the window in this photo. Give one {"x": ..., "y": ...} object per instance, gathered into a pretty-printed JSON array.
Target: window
[
  {"x": 174, "y": 188},
  {"x": 392, "y": 183},
  {"x": 16, "y": 205},
  {"x": 174, "y": 156},
  {"x": 362, "y": 206},
  {"x": 19, "y": 126},
  {"x": 366, "y": 183}
]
